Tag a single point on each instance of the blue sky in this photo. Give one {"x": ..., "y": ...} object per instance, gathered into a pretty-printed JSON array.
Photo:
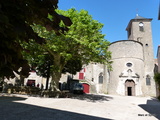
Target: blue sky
[{"x": 116, "y": 14}]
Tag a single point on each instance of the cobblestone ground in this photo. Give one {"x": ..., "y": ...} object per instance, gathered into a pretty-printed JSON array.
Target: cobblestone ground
[{"x": 79, "y": 107}]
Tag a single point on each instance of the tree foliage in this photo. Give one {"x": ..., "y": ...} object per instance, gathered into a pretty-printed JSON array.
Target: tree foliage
[
  {"x": 157, "y": 78},
  {"x": 16, "y": 16},
  {"x": 81, "y": 44},
  {"x": 85, "y": 38}
]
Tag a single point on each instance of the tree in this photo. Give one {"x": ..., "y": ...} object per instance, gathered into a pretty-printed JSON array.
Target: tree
[
  {"x": 83, "y": 43},
  {"x": 157, "y": 78},
  {"x": 16, "y": 16}
]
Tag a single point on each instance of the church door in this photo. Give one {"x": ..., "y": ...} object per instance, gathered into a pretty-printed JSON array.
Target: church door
[{"x": 130, "y": 88}]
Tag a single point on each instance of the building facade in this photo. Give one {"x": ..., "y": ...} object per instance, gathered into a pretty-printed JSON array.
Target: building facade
[
  {"x": 132, "y": 68},
  {"x": 133, "y": 64},
  {"x": 133, "y": 61}
]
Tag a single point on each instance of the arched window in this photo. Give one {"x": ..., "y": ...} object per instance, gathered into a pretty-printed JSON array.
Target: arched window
[
  {"x": 100, "y": 78},
  {"x": 148, "y": 80},
  {"x": 141, "y": 26}
]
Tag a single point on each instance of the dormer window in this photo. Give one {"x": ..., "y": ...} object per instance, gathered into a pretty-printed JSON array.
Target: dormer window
[{"x": 141, "y": 26}]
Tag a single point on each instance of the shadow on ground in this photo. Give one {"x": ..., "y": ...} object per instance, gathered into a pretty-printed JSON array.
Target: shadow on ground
[
  {"x": 11, "y": 110},
  {"x": 92, "y": 97},
  {"x": 152, "y": 107}
]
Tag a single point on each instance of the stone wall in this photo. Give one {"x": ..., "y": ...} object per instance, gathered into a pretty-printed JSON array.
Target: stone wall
[{"x": 126, "y": 52}]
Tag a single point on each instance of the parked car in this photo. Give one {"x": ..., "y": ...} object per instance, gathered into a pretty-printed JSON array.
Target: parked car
[{"x": 78, "y": 88}]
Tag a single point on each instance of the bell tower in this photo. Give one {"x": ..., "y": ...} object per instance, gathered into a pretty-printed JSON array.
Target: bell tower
[{"x": 139, "y": 29}]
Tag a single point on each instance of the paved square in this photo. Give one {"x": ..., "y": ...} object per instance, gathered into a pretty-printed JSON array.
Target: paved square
[{"x": 79, "y": 107}]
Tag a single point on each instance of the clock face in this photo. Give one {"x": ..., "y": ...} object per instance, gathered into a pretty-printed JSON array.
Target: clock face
[{"x": 141, "y": 24}]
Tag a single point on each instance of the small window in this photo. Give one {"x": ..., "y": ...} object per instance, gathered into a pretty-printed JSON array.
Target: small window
[
  {"x": 141, "y": 26},
  {"x": 100, "y": 78},
  {"x": 129, "y": 64},
  {"x": 148, "y": 80},
  {"x": 31, "y": 82},
  {"x": 139, "y": 39},
  {"x": 81, "y": 76}
]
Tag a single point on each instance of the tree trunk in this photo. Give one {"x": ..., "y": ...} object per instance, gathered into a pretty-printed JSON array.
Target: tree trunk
[
  {"x": 55, "y": 81},
  {"x": 56, "y": 75},
  {"x": 21, "y": 80}
]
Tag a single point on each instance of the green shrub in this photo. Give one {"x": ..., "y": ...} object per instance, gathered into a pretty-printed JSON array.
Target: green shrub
[{"x": 157, "y": 78}]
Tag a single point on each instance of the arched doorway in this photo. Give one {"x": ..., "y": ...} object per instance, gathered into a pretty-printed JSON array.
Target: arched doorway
[{"x": 130, "y": 88}]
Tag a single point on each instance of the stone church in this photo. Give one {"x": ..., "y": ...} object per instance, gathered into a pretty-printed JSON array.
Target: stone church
[
  {"x": 132, "y": 68},
  {"x": 133, "y": 64}
]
